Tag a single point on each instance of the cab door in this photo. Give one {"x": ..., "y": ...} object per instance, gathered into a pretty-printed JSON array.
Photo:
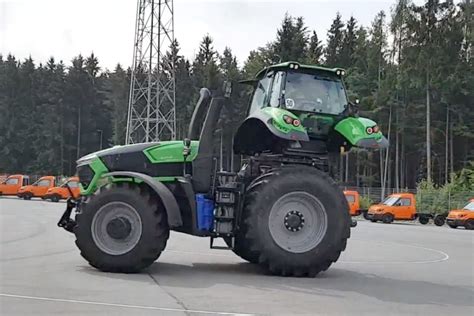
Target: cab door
[
  {"x": 42, "y": 186},
  {"x": 406, "y": 208},
  {"x": 11, "y": 186}
]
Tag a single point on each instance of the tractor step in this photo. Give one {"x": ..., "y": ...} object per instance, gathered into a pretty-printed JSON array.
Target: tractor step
[{"x": 227, "y": 198}]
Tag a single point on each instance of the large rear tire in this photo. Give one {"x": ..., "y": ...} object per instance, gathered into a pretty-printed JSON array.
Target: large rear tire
[
  {"x": 121, "y": 228},
  {"x": 297, "y": 221}
]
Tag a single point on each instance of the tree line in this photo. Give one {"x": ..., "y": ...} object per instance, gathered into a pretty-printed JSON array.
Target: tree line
[{"x": 412, "y": 70}]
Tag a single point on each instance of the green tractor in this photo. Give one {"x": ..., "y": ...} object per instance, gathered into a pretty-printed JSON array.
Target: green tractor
[{"x": 281, "y": 209}]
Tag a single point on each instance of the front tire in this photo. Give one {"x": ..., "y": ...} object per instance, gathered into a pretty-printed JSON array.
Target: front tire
[
  {"x": 55, "y": 198},
  {"x": 121, "y": 228},
  {"x": 298, "y": 221},
  {"x": 452, "y": 225},
  {"x": 469, "y": 224},
  {"x": 387, "y": 218}
]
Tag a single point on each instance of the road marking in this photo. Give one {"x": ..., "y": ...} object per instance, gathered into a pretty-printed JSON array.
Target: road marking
[
  {"x": 199, "y": 253},
  {"x": 444, "y": 255},
  {"x": 165, "y": 309}
]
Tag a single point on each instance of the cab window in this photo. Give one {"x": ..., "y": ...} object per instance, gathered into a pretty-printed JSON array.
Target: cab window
[
  {"x": 44, "y": 183},
  {"x": 12, "y": 181},
  {"x": 276, "y": 88},
  {"x": 405, "y": 202},
  {"x": 73, "y": 184},
  {"x": 350, "y": 198},
  {"x": 260, "y": 95}
]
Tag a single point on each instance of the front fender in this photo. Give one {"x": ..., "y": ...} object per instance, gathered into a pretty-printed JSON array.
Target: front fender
[
  {"x": 258, "y": 132},
  {"x": 168, "y": 199},
  {"x": 354, "y": 130}
]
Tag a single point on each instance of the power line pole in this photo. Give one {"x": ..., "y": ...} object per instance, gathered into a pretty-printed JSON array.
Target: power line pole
[{"x": 152, "y": 107}]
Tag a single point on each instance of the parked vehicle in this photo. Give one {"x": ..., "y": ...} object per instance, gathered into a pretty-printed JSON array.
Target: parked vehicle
[
  {"x": 13, "y": 183},
  {"x": 463, "y": 217},
  {"x": 399, "y": 206},
  {"x": 62, "y": 192},
  {"x": 37, "y": 189},
  {"x": 353, "y": 199}
]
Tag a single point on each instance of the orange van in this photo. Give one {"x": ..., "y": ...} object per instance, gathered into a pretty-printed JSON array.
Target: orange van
[
  {"x": 353, "y": 199},
  {"x": 37, "y": 189},
  {"x": 61, "y": 192},
  {"x": 463, "y": 217},
  {"x": 13, "y": 183},
  {"x": 399, "y": 206}
]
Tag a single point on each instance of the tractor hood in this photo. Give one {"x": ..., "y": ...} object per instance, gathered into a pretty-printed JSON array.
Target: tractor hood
[
  {"x": 156, "y": 152},
  {"x": 163, "y": 160}
]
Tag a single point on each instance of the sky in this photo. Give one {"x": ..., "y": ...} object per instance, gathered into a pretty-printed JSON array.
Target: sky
[{"x": 66, "y": 28}]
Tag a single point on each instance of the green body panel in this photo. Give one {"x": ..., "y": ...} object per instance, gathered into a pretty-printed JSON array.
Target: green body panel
[
  {"x": 276, "y": 114},
  {"x": 170, "y": 151},
  {"x": 164, "y": 152},
  {"x": 354, "y": 129},
  {"x": 99, "y": 169}
]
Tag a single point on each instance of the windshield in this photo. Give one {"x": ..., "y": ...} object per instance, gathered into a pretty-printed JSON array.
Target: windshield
[
  {"x": 350, "y": 198},
  {"x": 314, "y": 93},
  {"x": 469, "y": 206},
  {"x": 391, "y": 200}
]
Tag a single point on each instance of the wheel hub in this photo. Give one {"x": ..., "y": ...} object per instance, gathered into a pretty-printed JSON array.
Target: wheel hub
[
  {"x": 116, "y": 228},
  {"x": 119, "y": 228},
  {"x": 294, "y": 221}
]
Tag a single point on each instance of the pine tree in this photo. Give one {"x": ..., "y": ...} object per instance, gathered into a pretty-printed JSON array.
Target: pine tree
[
  {"x": 349, "y": 43},
  {"x": 315, "y": 50},
  {"x": 335, "y": 41}
]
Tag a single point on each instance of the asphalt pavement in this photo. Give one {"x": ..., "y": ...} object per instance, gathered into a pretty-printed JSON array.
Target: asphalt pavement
[{"x": 387, "y": 269}]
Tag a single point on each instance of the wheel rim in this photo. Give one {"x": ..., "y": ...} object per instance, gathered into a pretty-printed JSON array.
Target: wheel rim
[
  {"x": 116, "y": 228},
  {"x": 298, "y": 222}
]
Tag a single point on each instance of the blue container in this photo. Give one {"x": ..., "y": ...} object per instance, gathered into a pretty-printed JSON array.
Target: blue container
[{"x": 205, "y": 212}]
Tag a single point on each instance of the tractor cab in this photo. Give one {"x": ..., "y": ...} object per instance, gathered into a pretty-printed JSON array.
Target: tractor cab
[
  {"x": 300, "y": 89},
  {"x": 304, "y": 103}
]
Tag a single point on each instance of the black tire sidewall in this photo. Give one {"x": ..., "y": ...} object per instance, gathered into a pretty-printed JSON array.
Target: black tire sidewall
[
  {"x": 334, "y": 202},
  {"x": 469, "y": 224},
  {"x": 86, "y": 242}
]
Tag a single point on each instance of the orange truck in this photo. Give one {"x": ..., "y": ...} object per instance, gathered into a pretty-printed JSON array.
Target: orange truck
[
  {"x": 62, "y": 192},
  {"x": 463, "y": 217},
  {"x": 353, "y": 199},
  {"x": 37, "y": 189},
  {"x": 399, "y": 206},
  {"x": 13, "y": 183}
]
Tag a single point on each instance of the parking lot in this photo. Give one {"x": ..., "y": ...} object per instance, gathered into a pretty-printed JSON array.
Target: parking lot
[{"x": 401, "y": 268}]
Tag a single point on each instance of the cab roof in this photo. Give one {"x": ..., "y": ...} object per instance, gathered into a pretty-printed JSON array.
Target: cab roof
[{"x": 296, "y": 65}]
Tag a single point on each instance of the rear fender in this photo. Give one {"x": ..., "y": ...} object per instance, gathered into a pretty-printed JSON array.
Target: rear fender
[{"x": 168, "y": 199}]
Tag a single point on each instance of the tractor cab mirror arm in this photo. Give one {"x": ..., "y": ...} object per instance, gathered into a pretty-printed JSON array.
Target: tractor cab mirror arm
[{"x": 352, "y": 108}]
